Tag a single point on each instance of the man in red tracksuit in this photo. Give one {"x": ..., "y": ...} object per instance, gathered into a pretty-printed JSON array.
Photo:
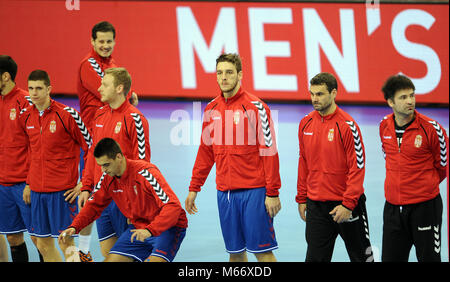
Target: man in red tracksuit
[
  {"x": 92, "y": 70},
  {"x": 55, "y": 133},
  {"x": 330, "y": 177},
  {"x": 15, "y": 215},
  {"x": 142, "y": 194},
  {"x": 238, "y": 137},
  {"x": 415, "y": 149},
  {"x": 120, "y": 120},
  {"x": 90, "y": 74}
]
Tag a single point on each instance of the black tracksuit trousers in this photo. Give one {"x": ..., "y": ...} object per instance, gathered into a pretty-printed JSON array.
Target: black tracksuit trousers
[
  {"x": 321, "y": 232},
  {"x": 415, "y": 224}
]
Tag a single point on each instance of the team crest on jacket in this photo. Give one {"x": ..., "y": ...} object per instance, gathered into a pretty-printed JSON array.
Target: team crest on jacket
[
  {"x": 52, "y": 126},
  {"x": 236, "y": 117},
  {"x": 118, "y": 126},
  {"x": 331, "y": 134},
  {"x": 418, "y": 141},
  {"x": 12, "y": 114}
]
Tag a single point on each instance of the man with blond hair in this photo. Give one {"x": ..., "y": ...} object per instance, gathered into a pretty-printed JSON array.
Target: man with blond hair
[
  {"x": 90, "y": 73},
  {"x": 119, "y": 120}
]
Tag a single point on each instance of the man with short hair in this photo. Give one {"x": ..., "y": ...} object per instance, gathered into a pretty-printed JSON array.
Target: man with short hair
[
  {"x": 90, "y": 74},
  {"x": 55, "y": 133},
  {"x": 238, "y": 136},
  {"x": 92, "y": 70},
  {"x": 158, "y": 222},
  {"x": 15, "y": 214},
  {"x": 330, "y": 192},
  {"x": 415, "y": 149},
  {"x": 122, "y": 121}
]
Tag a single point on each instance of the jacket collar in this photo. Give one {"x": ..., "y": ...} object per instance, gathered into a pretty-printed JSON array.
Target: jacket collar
[
  {"x": 11, "y": 93},
  {"x": 414, "y": 124},
  {"x": 329, "y": 116},
  {"x": 232, "y": 99},
  {"x": 99, "y": 58},
  {"x": 122, "y": 107},
  {"x": 126, "y": 173},
  {"x": 52, "y": 105}
]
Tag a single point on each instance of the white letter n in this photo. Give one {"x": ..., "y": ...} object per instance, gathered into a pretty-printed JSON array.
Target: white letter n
[{"x": 317, "y": 36}]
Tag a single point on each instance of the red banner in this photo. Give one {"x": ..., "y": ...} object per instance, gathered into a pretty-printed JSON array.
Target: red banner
[{"x": 170, "y": 47}]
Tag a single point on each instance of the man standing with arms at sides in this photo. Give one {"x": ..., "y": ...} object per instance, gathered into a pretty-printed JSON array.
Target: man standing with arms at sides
[
  {"x": 330, "y": 177},
  {"x": 55, "y": 134},
  {"x": 120, "y": 120},
  {"x": 158, "y": 221},
  {"x": 415, "y": 150},
  {"x": 247, "y": 170},
  {"x": 15, "y": 215},
  {"x": 90, "y": 74}
]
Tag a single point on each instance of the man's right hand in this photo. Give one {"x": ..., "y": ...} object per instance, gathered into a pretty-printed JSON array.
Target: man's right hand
[
  {"x": 189, "y": 204},
  {"x": 66, "y": 233},
  {"x": 302, "y": 211},
  {"x": 82, "y": 199}
]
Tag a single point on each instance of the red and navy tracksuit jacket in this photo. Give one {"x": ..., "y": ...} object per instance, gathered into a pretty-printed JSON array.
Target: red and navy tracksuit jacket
[
  {"x": 55, "y": 137},
  {"x": 332, "y": 159},
  {"x": 238, "y": 136},
  {"x": 90, "y": 73},
  {"x": 14, "y": 149},
  {"x": 142, "y": 195},
  {"x": 128, "y": 127},
  {"x": 416, "y": 167}
]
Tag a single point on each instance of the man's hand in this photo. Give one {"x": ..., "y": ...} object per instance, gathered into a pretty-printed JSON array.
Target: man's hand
[
  {"x": 189, "y": 204},
  {"x": 26, "y": 194},
  {"x": 134, "y": 100},
  {"x": 82, "y": 198},
  {"x": 140, "y": 234},
  {"x": 73, "y": 193},
  {"x": 66, "y": 233},
  {"x": 302, "y": 211},
  {"x": 341, "y": 214},
  {"x": 273, "y": 205}
]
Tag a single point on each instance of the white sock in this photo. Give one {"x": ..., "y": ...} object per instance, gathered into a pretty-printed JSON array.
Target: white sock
[{"x": 83, "y": 243}]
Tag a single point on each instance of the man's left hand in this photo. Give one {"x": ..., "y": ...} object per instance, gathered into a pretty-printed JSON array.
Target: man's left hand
[{"x": 341, "y": 214}]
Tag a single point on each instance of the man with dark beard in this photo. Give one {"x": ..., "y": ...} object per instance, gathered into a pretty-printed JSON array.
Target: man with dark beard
[{"x": 330, "y": 192}]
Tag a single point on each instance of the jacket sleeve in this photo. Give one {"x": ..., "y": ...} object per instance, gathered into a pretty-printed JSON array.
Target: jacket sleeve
[
  {"x": 268, "y": 149},
  {"x": 168, "y": 204},
  {"x": 139, "y": 136},
  {"x": 88, "y": 171},
  {"x": 205, "y": 155},
  {"x": 439, "y": 147},
  {"x": 381, "y": 128},
  {"x": 94, "y": 206},
  {"x": 78, "y": 130},
  {"x": 355, "y": 158},
  {"x": 90, "y": 79},
  {"x": 302, "y": 175},
  {"x": 23, "y": 117}
]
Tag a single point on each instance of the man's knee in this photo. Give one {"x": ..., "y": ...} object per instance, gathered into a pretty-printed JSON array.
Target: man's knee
[
  {"x": 265, "y": 257},
  {"x": 15, "y": 239}
]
